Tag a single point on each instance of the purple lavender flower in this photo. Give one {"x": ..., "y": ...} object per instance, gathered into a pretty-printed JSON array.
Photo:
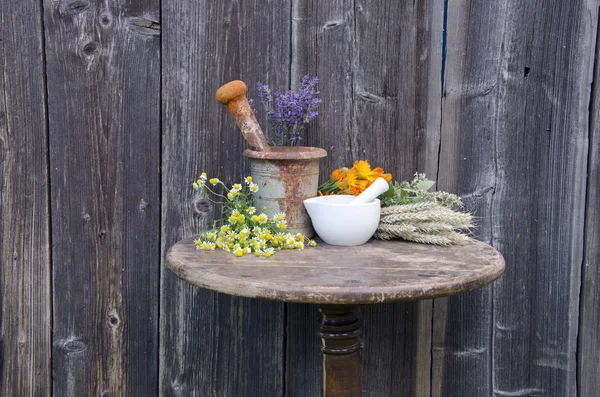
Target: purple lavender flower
[{"x": 289, "y": 112}]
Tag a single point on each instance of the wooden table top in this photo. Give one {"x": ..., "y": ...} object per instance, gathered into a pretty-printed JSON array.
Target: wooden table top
[{"x": 379, "y": 271}]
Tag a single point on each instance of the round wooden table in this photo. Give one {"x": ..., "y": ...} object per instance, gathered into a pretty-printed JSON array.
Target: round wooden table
[{"x": 336, "y": 280}]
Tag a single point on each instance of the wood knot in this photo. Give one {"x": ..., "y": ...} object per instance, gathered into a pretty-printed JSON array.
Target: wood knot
[
  {"x": 113, "y": 319},
  {"x": 176, "y": 386},
  {"x": 201, "y": 205},
  {"x": 106, "y": 19},
  {"x": 145, "y": 26},
  {"x": 90, "y": 48},
  {"x": 72, "y": 345},
  {"x": 75, "y": 7},
  {"x": 143, "y": 205}
]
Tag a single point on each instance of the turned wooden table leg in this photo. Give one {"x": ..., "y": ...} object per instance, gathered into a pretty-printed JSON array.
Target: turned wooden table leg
[{"x": 339, "y": 330}]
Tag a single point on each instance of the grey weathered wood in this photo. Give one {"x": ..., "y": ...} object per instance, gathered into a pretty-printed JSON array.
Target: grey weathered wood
[
  {"x": 103, "y": 104},
  {"x": 514, "y": 130},
  {"x": 379, "y": 64},
  {"x": 25, "y": 310},
  {"x": 461, "y": 351},
  {"x": 377, "y": 272},
  {"x": 589, "y": 324},
  {"x": 212, "y": 344}
]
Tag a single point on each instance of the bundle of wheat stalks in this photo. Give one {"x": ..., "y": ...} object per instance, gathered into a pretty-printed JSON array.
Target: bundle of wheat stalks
[
  {"x": 410, "y": 212},
  {"x": 425, "y": 222}
]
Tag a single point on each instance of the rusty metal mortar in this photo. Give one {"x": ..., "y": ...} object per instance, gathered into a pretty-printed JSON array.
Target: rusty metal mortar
[{"x": 286, "y": 176}]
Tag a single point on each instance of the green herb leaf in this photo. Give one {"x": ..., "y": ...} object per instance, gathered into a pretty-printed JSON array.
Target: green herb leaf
[{"x": 425, "y": 185}]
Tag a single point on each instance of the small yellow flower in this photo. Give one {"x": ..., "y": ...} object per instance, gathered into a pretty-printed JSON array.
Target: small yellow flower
[
  {"x": 195, "y": 186},
  {"x": 239, "y": 252},
  {"x": 248, "y": 179},
  {"x": 254, "y": 218},
  {"x": 253, "y": 188},
  {"x": 262, "y": 218},
  {"x": 282, "y": 225},
  {"x": 214, "y": 181},
  {"x": 230, "y": 196},
  {"x": 251, "y": 210},
  {"x": 232, "y": 219}
]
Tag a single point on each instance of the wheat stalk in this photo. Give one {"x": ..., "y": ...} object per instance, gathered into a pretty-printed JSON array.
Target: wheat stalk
[
  {"x": 404, "y": 208},
  {"x": 440, "y": 214},
  {"x": 426, "y": 222}
]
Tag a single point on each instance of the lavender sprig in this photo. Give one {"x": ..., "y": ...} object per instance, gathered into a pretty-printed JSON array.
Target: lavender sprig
[{"x": 289, "y": 112}]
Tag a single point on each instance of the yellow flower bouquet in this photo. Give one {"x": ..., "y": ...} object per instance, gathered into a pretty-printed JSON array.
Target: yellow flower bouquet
[{"x": 244, "y": 229}]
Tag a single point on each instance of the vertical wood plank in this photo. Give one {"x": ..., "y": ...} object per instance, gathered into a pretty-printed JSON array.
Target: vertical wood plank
[
  {"x": 462, "y": 356},
  {"x": 589, "y": 323},
  {"x": 379, "y": 65},
  {"x": 213, "y": 344},
  {"x": 25, "y": 308},
  {"x": 514, "y": 144},
  {"x": 103, "y": 73}
]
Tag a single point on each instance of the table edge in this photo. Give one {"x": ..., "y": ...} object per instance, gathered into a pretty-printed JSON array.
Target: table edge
[{"x": 366, "y": 296}]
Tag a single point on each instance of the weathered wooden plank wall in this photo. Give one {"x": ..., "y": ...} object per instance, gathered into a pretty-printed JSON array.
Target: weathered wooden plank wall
[
  {"x": 503, "y": 119},
  {"x": 103, "y": 71},
  {"x": 25, "y": 311},
  {"x": 514, "y": 142},
  {"x": 588, "y": 380},
  {"x": 213, "y": 344}
]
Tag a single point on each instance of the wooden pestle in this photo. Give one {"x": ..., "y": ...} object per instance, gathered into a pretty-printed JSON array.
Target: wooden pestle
[{"x": 233, "y": 95}]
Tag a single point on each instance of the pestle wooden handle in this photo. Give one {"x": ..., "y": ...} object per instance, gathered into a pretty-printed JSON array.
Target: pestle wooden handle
[{"x": 233, "y": 95}]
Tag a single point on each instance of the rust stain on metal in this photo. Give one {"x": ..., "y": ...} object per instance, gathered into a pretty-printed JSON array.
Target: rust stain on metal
[
  {"x": 233, "y": 95},
  {"x": 288, "y": 175},
  {"x": 287, "y": 153}
]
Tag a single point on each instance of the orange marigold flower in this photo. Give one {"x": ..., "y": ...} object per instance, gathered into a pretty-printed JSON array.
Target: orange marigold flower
[
  {"x": 352, "y": 178},
  {"x": 338, "y": 175},
  {"x": 355, "y": 184},
  {"x": 356, "y": 190},
  {"x": 342, "y": 186},
  {"x": 363, "y": 168},
  {"x": 379, "y": 173}
]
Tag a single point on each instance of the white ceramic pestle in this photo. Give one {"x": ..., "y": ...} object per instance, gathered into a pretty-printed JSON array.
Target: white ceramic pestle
[{"x": 378, "y": 187}]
